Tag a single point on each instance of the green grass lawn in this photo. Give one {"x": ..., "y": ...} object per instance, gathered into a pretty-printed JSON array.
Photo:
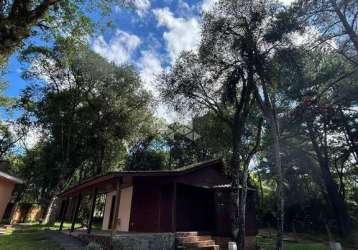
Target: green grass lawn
[
  {"x": 32, "y": 237},
  {"x": 305, "y": 246},
  {"x": 29, "y": 237},
  {"x": 67, "y": 226},
  {"x": 268, "y": 244}
]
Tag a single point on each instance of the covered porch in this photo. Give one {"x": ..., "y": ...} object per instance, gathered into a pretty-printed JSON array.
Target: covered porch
[{"x": 96, "y": 195}]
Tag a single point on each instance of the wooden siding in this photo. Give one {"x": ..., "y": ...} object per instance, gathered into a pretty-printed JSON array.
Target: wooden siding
[
  {"x": 146, "y": 204},
  {"x": 195, "y": 209}
]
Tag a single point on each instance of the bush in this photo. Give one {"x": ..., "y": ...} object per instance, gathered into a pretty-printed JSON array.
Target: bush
[{"x": 94, "y": 246}]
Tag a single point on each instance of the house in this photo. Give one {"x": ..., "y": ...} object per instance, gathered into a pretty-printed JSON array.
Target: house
[
  {"x": 185, "y": 201},
  {"x": 7, "y": 185}
]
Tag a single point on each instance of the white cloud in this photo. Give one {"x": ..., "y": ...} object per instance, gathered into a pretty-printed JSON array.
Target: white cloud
[
  {"x": 149, "y": 67},
  {"x": 183, "y": 33},
  {"x": 305, "y": 38},
  {"x": 310, "y": 37},
  {"x": 207, "y": 5},
  {"x": 140, "y": 6},
  {"x": 26, "y": 137},
  {"x": 186, "y": 10},
  {"x": 119, "y": 48},
  {"x": 184, "y": 6},
  {"x": 168, "y": 114},
  {"x": 32, "y": 137},
  {"x": 286, "y": 2}
]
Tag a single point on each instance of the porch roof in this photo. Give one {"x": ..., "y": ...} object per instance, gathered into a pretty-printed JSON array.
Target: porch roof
[
  {"x": 10, "y": 178},
  {"x": 112, "y": 176}
]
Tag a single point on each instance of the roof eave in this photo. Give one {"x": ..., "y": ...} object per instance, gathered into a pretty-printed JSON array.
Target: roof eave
[{"x": 11, "y": 178}]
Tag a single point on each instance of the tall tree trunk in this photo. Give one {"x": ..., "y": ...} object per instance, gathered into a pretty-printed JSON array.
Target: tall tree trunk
[
  {"x": 268, "y": 106},
  {"x": 339, "y": 208},
  {"x": 242, "y": 207},
  {"x": 235, "y": 199},
  {"x": 235, "y": 189},
  {"x": 51, "y": 212},
  {"x": 244, "y": 183},
  {"x": 54, "y": 204},
  {"x": 279, "y": 192},
  {"x": 338, "y": 204},
  {"x": 261, "y": 190}
]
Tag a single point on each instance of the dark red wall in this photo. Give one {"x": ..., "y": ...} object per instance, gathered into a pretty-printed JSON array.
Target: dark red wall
[
  {"x": 166, "y": 206},
  {"x": 151, "y": 204},
  {"x": 195, "y": 209}
]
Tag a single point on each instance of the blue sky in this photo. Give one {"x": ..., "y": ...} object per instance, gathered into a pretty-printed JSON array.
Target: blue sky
[{"x": 150, "y": 38}]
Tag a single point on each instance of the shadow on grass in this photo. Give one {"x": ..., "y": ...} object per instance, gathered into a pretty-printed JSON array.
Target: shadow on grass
[{"x": 27, "y": 237}]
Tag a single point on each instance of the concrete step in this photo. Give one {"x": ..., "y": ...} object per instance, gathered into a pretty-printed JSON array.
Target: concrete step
[
  {"x": 190, "y": 239},
  {"x": 212, "y": 247},
  {"x": 196, "y": 241},
  {"x": 186, "y": 234},
  {"x": 203, "y": 243}
]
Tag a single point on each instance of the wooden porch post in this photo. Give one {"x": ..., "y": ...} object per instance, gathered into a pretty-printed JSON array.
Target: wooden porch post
[
  {"x": 174, "y": 207},
  {"x": 79, "y": 197},
  {"x": 93, "y": 206},
  {"x": 116, "y": 206},
  {"x": 64, "y": 211}
]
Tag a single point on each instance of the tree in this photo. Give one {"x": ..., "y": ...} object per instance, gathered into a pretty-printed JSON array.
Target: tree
[
  {"x": 258, "y": 30},
  {"x": 321, "y": 118},
  {"x": 191, "y": 84},
  {"x": 337, "y": 23},
  {"x": 147, "y": 154},
  {"x": 22, "y": 19},
  {"x": 224, "y": 76},
  {"x": 86, "y": 108},
  {"x": 176, "y": 145},
  {"x": 11, "y": 131}
]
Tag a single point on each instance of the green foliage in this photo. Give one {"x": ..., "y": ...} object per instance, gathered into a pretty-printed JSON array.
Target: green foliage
[
  {"x": 336, "y": 23},
  {"x": 5, "y": 101},
  {"x": 50, "y": 20},
  {"x": 176, "y": 145},
  {"x": 146, "y": 155},
  {"x": 86, "y": 109},
  {"x": 317, "y": 99},
  {"x": 10, "y": 131}
]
